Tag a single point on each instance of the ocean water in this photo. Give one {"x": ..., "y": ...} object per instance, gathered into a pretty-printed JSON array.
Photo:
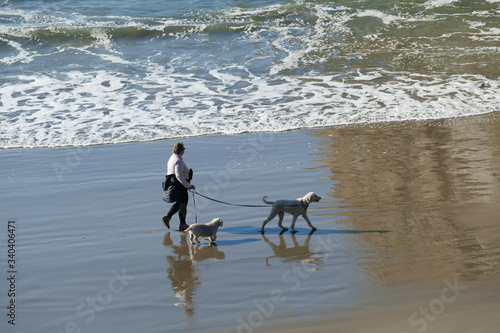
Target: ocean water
[{"x": 77, "y": 73}]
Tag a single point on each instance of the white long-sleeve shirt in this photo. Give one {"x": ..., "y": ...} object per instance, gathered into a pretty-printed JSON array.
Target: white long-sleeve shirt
[{"x": 177, "y": 166}]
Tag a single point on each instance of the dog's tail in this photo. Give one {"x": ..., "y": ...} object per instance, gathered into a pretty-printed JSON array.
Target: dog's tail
[
  {"x": 187, "y": 230},
  {"x": 267, "y": 202}
]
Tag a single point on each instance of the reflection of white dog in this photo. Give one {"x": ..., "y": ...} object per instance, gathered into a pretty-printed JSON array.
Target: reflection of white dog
[
  {"x": 204, "y": 230},
  {"x": 295, "y": 207}
]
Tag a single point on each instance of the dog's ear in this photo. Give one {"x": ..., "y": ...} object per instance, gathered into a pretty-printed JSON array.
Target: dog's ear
[{"x": 309, "y": 197}]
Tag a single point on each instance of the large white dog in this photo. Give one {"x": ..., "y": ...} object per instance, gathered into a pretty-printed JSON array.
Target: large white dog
[{"x": 295, "y": 207}]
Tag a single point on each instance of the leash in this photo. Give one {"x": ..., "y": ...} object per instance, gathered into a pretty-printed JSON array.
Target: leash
[
  {"x": 219, "y": 201},
  {"x": 195, "y": 212},
  {"x": 224, "y": 202}
]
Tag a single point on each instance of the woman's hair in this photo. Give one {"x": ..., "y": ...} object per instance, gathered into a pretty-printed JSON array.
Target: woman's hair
[{"x": 178, "y": 148}]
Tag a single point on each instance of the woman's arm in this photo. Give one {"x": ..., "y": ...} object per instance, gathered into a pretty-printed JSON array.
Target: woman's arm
[{"x": 180, "y": 174}]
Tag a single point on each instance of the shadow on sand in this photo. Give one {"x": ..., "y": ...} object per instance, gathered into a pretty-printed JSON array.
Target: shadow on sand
[{"x": 249, "y": 230}]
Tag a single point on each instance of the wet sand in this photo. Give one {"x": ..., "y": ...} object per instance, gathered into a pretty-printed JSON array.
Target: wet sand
[
  {"x": 449, "y": 306},
  {"x": 408, "y": 210},
  {"x": 435, "y": 187}
]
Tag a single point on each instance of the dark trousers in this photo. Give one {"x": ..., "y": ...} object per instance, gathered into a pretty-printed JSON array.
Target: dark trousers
[{"x": 181, "y": 207}]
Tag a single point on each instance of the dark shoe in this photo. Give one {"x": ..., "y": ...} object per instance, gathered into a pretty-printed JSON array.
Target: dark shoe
[
  {"x": 166, "y": 221},
  {"x": 183, "y": 226}
]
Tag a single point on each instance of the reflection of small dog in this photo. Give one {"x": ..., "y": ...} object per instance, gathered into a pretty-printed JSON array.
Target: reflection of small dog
[
  {"x": 201, "y": 253},
  {"x": 295, "y": 207},
  {"x": 204, "y": 230}
]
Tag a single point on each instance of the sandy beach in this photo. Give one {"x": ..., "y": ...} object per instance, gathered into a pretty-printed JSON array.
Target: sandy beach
[{"x": 407, "y": 241}]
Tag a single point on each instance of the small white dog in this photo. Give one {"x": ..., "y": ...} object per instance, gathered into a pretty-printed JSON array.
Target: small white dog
[
  {"x": 204, "y": 230},
  {"x": 295, "y": 207}
]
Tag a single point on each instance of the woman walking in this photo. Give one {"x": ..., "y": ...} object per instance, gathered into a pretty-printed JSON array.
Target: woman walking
[{"x": 177, "y": 183}]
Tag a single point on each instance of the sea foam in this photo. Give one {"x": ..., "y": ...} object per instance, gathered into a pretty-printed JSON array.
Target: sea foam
[
  {"x": 74, "y": 80},
  {"x": 103, "y": 108}
]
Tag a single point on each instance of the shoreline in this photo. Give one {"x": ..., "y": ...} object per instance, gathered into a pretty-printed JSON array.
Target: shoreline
[{"x": 312, "y": 128}]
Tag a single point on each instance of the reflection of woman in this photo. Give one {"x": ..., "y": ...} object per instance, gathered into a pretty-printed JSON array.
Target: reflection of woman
[
  {"x": 182, "y": 274},
  {"x": 182, "y": 269},
  {"x": 177, "y": 184}
]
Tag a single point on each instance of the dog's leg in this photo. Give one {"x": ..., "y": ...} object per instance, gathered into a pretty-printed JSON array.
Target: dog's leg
[
  {"x": 269, "y": 218},
  {"x": 213, "y": 238},
  {"x": 293, "y": 223},
  {"x": 308, "y": 222},
  {"x": 191, "y": 237},
  {"x": 281, "y": 215}
]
